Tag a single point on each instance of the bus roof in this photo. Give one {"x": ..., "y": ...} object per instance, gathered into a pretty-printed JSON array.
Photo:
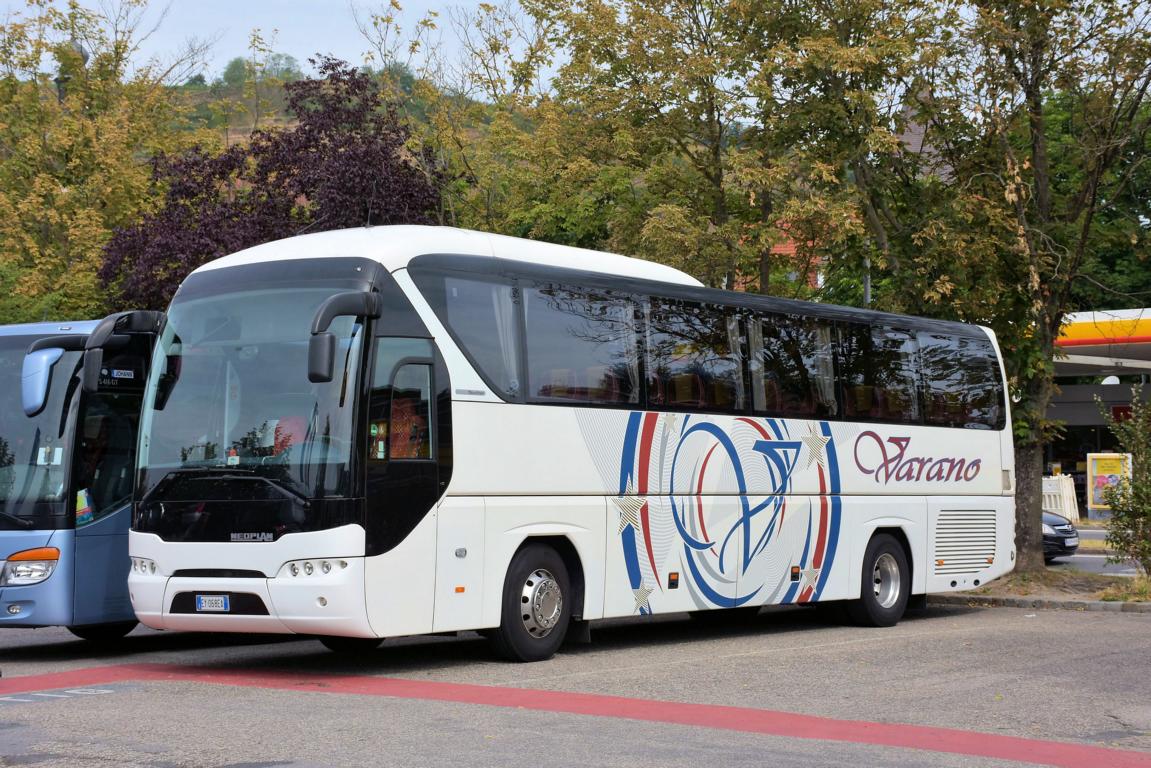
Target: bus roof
[
  {"x": 394, "y": 246},
  {"x": 49, "y": 329}
]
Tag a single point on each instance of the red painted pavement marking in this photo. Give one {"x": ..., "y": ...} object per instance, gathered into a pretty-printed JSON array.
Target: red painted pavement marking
[{"x": 774, "y": 723}]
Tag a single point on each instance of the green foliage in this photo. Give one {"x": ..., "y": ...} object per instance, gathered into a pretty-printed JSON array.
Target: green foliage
[
  {"x": 74, "y": 146},
  {"x": 1129, "y": 528}
]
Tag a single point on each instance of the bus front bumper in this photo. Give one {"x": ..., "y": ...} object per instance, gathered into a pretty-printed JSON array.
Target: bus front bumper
[{"x": 328, "y": 600}]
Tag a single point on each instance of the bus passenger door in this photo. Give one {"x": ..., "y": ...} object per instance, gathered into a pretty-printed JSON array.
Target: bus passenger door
[
  {"x": 402, "y": 486},
  {"x": 103, "y": 471}
]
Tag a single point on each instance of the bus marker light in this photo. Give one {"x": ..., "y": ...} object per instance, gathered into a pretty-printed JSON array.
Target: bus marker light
[
  {"x": 795, "y": 573},
  {"x": 990, "y": 560},
  {"x": 343, "y": 563},
  {"x": 939, "y": 562},
  {"x": 321, "y": 601},
  {"x": 40, "y": 553},
  {"x": 459, "y": 590}
]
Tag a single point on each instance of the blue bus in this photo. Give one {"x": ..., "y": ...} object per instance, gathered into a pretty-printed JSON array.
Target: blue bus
[{"x": 70, "y": 398}]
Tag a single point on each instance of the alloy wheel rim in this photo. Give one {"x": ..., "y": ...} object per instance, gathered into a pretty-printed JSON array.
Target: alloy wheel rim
[
  {"x": 541, "y": 603},
  {"x": 885, "y": 578}
]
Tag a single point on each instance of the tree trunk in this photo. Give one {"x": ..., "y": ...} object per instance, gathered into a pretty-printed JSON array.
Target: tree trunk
[{"x": 1029, "y": 508}]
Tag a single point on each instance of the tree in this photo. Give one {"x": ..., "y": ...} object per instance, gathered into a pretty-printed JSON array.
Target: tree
[
  {"x": 345, "y": 164},
  {"x": 235, "y": 72},
  {"x": 1055, "y": 183},
  {"x": 1129, "y": 528},
  {"x": 71, "y": 149}
]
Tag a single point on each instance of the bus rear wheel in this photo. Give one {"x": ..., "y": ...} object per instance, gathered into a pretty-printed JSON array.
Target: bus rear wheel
[
  {"x": 102, "y": 633},
  {"x": 351, "y": 644},
  {"x": 885, "y": 584},
  {"x": 536, "y": 607}
]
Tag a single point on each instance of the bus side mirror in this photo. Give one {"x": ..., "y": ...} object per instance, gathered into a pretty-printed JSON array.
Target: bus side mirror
[
  {"x": 36, "y": 374},
  {"x": 321, "y": 357},
  {"x": 115, "y": 332},
  {"x": 36, "y": 377},
  {"x": 322, "y": 345}
]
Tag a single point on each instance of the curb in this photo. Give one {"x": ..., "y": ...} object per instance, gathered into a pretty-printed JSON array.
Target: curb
[{"x": 983, "y": 601}]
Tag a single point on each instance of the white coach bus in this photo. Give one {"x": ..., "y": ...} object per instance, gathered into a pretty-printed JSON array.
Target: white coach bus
[{"x": 402, "y": 430}]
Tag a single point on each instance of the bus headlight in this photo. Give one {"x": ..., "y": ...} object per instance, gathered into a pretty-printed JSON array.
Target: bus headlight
[
  {"x": 143, "y": 565},
  {"x": 30, "y": 566}
]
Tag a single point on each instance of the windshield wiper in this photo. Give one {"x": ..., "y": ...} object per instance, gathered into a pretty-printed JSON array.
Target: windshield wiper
[{"x": 23, "y": 522}]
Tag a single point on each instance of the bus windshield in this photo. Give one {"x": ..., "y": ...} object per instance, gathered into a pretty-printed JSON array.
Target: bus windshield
[
  {"x": 229, "y": 413},
  {"x": 34, "y": 453}
]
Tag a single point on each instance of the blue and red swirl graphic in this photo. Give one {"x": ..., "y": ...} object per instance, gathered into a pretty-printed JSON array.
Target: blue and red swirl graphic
[{"x": 720, "y": 563}]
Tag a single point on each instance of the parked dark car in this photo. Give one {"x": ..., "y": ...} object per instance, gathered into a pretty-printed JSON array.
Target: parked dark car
[{"x": 1059, "y": 536}]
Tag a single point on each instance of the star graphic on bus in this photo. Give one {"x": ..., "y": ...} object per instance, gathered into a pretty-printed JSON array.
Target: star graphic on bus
[
  {"x": 642, "y": 593},
  {"x": 629, "y": 507},
  {"x": 816, "y": 444}
]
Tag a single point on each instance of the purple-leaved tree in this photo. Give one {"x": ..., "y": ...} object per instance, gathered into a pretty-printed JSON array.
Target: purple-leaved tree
[{"x": 345, "y": 164}]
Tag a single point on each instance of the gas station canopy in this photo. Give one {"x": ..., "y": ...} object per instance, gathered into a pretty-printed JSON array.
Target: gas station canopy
[{"x": 1108, "y": 343}]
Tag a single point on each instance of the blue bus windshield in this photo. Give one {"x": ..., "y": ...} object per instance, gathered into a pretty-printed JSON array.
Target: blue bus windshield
[{"x": 34, "y": 452}]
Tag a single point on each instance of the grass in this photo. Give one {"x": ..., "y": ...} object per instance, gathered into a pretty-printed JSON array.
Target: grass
[
  {"x": 1095, "y": 545},
  {"x": 1137, "y": 590},
  {"x": 1057, "y": 584}
]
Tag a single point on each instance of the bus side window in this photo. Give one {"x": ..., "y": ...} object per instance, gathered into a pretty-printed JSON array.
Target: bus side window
[
  {"x": 409, "y": 428},
  {"x": 399, "y": 409}
]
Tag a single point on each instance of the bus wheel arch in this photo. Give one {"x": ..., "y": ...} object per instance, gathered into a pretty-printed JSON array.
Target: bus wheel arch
[{"x": 885, "y": 580}]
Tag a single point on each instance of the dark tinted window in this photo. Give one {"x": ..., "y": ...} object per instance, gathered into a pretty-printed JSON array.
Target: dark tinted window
[
  {"x": 878, "y": 373},
  {"x": 581, "y": 345},
  {"x": 961, "y": 379},
  {"x": 399, "y": 413},
  {"x": 792, "y": 367},
  {"x": 693, "y": 357}
]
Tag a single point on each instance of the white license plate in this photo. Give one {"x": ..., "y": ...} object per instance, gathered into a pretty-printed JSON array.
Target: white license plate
[
  {"x": 1072, "y": 541},
  {"x": 212, "y": 603}
]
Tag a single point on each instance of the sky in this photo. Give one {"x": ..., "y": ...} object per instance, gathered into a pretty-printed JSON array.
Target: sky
[{"x": 302, "y": 27}]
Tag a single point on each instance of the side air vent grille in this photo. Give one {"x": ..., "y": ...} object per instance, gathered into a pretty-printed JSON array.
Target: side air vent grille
[{"x": 964, "y": 541}]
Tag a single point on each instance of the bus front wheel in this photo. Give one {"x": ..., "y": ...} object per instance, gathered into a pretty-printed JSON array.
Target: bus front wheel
[
  {"x": 102, "y": 633},
  {"x": 885, "y": 585},
  {"x": 536, "y": 607}
]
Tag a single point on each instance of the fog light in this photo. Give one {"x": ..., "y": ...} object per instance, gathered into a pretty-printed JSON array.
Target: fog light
[{"x": 13, "y": 610}]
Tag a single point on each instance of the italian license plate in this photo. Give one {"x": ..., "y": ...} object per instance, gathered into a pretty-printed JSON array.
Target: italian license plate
[
  {"x": 212, "y": 604},
  {"x": 1071, "y": 541}
]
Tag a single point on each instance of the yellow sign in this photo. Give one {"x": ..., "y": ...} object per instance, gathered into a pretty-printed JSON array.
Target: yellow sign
[{"x": 1104, "y": 470}]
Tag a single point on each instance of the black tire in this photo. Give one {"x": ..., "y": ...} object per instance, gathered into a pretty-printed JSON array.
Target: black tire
[
  {"x": 103, "y": 633},
  {"x": 536, "y": 608},
  {"x": 351, "y": 645},
  {"x": 885, "y": 584}
]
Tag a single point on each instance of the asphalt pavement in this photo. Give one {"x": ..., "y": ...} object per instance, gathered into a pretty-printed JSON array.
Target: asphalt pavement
[{"x": 950, "y": 686}]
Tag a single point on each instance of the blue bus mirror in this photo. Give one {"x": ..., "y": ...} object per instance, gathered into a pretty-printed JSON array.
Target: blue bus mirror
[{"x": 36, "y": 377}]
